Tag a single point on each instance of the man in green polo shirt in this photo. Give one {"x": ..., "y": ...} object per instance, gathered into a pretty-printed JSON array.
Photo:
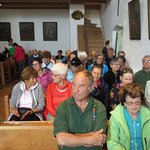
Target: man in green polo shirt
[
  {"x": 80, "y": 121},
  {"x": 142, "y": 76}
]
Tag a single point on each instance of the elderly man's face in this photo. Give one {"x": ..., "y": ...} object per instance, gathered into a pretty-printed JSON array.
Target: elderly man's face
[
  {"x": 80, "y": 87},
  {"x": 146, "y": 63}
]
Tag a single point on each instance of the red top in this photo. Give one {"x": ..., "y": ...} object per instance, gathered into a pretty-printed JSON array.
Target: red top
[
  {"x": 19, "y": 53},
  {"x": 55, "y": 95}
]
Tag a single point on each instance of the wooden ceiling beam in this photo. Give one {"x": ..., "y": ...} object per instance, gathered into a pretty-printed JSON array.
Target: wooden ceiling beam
[{"x": 41, "y": 4}]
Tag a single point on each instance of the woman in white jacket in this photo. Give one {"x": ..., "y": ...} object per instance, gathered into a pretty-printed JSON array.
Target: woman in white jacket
[{"x": 27, "y": 100}]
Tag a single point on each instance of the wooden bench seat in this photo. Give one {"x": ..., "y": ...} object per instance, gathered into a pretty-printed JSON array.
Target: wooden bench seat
[{"x": 27, "y": 136}]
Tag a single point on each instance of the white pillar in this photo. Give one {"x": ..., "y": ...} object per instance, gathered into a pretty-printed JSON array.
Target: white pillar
[{"x": 73, "y": 25}]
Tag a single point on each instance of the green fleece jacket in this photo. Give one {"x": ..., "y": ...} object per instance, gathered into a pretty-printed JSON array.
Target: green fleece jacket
[{"x": 118, "y": 136}]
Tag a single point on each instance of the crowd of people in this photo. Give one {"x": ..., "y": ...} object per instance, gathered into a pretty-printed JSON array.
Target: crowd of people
[{"x": 92, "y": 101}]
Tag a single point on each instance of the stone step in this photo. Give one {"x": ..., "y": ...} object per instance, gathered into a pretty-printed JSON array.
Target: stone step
[
  {"x": 93, "y": 28},
  {"x": 89, "y": 25},
  {"x": 94, "y": 45},
  {"x": 95, "y": 41},
  {"x": 94, "y": 36},
  {"x": 87, "y": 21},
  {"x": 92, "y": 39}
]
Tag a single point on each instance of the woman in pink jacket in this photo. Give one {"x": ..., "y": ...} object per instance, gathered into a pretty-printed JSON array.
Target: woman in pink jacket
[{"x": 44, "y": 75}]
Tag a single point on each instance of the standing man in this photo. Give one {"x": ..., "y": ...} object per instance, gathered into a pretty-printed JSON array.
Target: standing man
[
  {"x": 106, "y": 48},
  {"x": 142, "y": 76},
  {"x": 10, "y": 47},
  {"x": 80, "y": 121}
]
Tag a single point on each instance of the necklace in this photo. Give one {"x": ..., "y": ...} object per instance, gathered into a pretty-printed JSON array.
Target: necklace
[{"x": 61, "y": 90}]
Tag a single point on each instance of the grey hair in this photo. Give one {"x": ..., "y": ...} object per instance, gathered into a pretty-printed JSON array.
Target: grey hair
[
  {"x": 60, "y": 68},
  {"x": 88, "y": 75},
  {"x": 146, "y": 56}
]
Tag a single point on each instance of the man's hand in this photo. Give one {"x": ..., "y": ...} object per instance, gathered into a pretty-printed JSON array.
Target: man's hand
[{"x": 98, "y": 138}]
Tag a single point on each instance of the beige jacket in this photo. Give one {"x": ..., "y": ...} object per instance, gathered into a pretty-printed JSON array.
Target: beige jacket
[{"x": 147, "y": 92}]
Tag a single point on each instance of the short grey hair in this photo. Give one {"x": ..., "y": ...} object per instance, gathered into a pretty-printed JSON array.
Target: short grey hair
[
  {"x": 88, "y": 75},
  {"x": 146, "y": 56},
  {"x": 82, "y": 54},
  {"x": 60, "y": 68}
]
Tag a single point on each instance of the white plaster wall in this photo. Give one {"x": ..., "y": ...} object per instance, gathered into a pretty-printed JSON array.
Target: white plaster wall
[
  {"x": 38, "y": 16},
  {"x": 73, "y": 25},
  {"x": 94, "y": 16},
  {"x": 135, "y": 49}
]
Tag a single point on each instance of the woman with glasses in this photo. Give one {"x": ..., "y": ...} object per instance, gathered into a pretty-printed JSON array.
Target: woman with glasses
[
  {"x": 99, "y": 61},
  {"x": 126, "y": 77},
  {"x": 44, "y": 75},
  {"x": 130, "y": 121},
  {"x": 58, "y": 91}
]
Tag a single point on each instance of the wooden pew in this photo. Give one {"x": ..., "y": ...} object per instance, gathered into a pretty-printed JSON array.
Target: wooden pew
[
  {"x": 4, "y": 108},
  {"x": 30, "y": 135},
  {"x": 7, "y": 70},
  {"x": 2, "y": 77},
  {"x": 13, "y": 67}
]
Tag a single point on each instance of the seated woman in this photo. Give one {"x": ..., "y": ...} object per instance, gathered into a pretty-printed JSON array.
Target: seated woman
[
  {"x": 74, "y": 67},
  {"x": 27, "y": 100},
  {"x": 130, "y": 121},
  {"x": 99, "y": 61},
  {"x": 126, "y": 77},
  {"x": 58, "y": 91},
  {"x": 44, "y": 75},
  {"x": 100, "y": 88}
]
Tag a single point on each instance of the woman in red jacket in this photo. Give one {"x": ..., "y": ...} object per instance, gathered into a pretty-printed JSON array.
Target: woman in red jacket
[
  {"x": 58, "y": 91},
  {"x": 19, "y": 56}
]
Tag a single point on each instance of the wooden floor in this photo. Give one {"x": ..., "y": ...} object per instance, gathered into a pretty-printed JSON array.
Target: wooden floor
[{"x": 4, "y": 90}]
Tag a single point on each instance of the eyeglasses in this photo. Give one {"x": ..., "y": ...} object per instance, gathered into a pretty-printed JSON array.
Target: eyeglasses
[
  {"x": 55, "y": 75},
  {"x": 146, "y": 61},
  {"x": 116, "y": 64},
  {"x": 35, "y": 64},
  {"x": 100, "y": 58},
  {"x": 133, "y": 103}
]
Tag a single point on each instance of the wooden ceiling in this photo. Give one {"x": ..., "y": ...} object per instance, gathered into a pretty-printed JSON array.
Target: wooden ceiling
[{"x": 48, "y": 4}]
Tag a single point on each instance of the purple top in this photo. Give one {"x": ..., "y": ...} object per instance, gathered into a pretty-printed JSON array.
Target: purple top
[{"x": 45, "y": 79}]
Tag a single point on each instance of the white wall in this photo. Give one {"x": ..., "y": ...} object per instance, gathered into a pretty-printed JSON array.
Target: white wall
[
  {"x": 135, "y": 49},
  {"x": 38, "y": 16},
  {"x": 73, "y": 25},
  {"x": 94, "y": 16}
]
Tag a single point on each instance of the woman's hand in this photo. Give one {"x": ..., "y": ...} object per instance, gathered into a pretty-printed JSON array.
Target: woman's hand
[
  {"x": 15, "y": 111},
  {"x": 28, "y": 113}
]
